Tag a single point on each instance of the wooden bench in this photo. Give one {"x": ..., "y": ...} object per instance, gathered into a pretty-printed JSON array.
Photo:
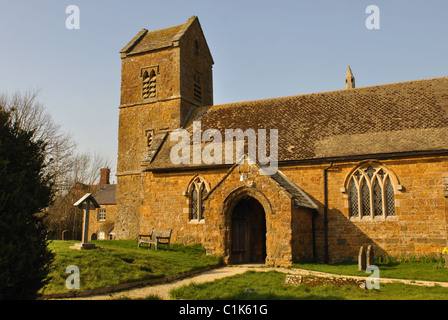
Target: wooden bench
[{"x": 156, "y": 237}]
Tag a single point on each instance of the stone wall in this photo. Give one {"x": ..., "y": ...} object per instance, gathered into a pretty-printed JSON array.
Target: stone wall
[
  {"x": 96, "y": 226},
  {"x": 128, "y": 198},
  {"x": 419, "y": 224}
]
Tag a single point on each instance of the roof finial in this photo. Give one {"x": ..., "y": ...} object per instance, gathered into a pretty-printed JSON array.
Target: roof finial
[{"x": 349, "y": 79}]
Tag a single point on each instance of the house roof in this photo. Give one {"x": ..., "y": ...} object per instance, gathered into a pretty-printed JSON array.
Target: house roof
[
  {"x": 393, "y": 118},
  {"x": 106, "y": 194}
]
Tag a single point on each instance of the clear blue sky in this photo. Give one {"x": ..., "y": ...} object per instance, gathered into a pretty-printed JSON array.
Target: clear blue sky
[{"x": 261, "y": 49}]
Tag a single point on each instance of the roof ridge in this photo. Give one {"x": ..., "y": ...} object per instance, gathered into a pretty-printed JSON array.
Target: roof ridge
[
  {"x": 134, "y": 40},
  {"x": 184, "y": 28},
  {"x": 322, "y": 92}
]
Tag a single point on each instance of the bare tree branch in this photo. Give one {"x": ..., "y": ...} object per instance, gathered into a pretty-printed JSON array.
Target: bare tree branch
[{"x": 70, "y": 170}]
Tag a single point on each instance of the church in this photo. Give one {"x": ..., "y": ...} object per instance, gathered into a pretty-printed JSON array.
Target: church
[{"x": 353, "y": 167}]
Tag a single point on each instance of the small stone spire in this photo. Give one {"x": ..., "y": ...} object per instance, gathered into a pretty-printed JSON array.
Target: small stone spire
[{"x": 349, "y": 79}]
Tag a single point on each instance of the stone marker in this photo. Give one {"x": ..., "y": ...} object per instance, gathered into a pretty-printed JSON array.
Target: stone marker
[
  {"x": 369, "y": 256},
  {"x": 66, "y": 235},
  {"x": 86, "y": 203},
  {"x": 362, "y": 259}
]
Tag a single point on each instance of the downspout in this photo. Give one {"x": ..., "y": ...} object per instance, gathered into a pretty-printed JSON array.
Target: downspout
[
  {"x": 326, "y": 257},
  {"x": 313, "y": 231}
]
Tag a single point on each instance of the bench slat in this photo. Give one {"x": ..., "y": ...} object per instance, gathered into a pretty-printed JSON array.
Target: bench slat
[{"x": 156, "y": 237}]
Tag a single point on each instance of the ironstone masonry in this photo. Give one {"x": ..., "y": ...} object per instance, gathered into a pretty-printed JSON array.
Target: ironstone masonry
[{"x": 356, "y": 167}]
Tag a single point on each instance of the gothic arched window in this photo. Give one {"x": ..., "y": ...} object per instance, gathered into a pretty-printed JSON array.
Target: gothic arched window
[
  {"x": 371, "y": 192},
  {"x": 197, "y": 190}
]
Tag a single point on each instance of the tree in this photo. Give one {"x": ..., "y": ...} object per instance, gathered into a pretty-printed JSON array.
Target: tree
[
  {"x": 30, "y": 115},
  {"x": 26, "y": 190},
  {"x": 82, "y": 178},
  {"x": 67, "y": 167}
]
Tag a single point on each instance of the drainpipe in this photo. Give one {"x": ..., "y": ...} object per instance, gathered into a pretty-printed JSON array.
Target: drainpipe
[
  {"x": 326, "y": 257},
  {"x": 313, "y": 228}
]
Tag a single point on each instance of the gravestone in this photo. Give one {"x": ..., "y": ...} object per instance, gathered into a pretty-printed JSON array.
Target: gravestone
[
  {"x": 362, "y": 259},
  {"x": 66, "y": 235},
  {"x": 369, "y": 256}
]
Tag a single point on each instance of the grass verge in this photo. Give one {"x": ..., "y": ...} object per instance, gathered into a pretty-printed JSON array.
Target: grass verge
[
  {"x": 253, "y": 285},
  {"x": 409, "y": 270},
  {"x": 120, "y": 261}
]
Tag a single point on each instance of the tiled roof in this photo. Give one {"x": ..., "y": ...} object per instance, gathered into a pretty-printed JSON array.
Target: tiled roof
[
  {"x": 106, "y": 194},
  {"x": 400, "y": 117},
  {"x": 301, "y": 199},
  {"x": 146, "y": 40}
]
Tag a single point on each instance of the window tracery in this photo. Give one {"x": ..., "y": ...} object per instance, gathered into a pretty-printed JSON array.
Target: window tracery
[{"x": 371, "y": 192}]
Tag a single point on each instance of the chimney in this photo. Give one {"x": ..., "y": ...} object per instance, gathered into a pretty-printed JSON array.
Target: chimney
[{"x": 105, "y": 174}]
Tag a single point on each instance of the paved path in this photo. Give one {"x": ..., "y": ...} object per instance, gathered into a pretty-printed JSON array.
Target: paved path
[{"x": 163, "y": 290}]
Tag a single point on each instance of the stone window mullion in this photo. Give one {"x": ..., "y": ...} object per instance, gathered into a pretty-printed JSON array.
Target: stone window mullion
[{"x": 359, "y": 200}]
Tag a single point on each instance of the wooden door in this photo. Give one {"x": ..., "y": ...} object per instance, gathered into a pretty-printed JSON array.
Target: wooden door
[
  {"x": 248, "y": 232},
  {"x": 240, "y": 238}
]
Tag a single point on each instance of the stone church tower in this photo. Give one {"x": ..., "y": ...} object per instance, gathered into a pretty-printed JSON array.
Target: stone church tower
[{"x": 166, "y": 74}]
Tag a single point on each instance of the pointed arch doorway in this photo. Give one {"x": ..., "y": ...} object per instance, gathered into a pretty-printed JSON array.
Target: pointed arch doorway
[{"x": 248, "y": 232}]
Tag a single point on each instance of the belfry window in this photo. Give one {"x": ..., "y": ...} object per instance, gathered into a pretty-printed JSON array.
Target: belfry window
[
  {"x": 371, "y": 193},
  {"x": 197, "y": 89},
  {"x": 149, "y": 89},
  {"x": 197, "y": 190}
]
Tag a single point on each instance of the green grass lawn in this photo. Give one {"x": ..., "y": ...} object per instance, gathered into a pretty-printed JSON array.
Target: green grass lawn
[
  {"x": 270, "y": 286},
  {"x": 120, "y": 261},
  {"x": 432, "y": 270}
]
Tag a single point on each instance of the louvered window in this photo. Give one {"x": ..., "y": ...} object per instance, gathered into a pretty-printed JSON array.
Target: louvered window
[
  {"x": 371, "y": 193},
  {"x": 145, "y": 90},
  {"x": 152, "y": 84},
  {"x": 149, "y": 88},
  {"x": 197, "y": 89}
]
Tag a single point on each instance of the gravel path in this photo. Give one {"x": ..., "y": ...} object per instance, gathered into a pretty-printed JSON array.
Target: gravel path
[{"x": 163, "y": 290}]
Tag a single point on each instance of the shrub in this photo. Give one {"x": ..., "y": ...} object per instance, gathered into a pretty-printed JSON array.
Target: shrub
[{"x": 25, "y": 192}]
